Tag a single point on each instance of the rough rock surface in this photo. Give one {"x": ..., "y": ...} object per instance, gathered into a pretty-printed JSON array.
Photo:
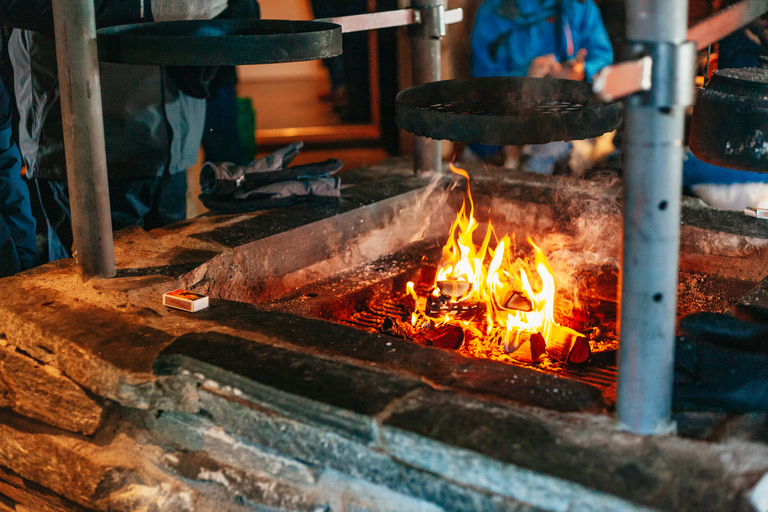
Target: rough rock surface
[{"x": 41, "y": 392}]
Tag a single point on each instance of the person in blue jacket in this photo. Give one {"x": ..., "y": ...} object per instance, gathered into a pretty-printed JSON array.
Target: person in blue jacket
[
  {"x": 18, "y": 245},
  {"x": 539, "y": 38}
]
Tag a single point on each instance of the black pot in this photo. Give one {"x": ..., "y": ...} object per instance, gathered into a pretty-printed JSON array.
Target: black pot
[{"x": 729, "y": 126}]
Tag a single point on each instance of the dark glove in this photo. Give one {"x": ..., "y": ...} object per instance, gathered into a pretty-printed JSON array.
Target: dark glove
[
  {"x": 222, "y": 179},
  {"x": 283, "y": 193},
  {"x": 268, "y": 182}
]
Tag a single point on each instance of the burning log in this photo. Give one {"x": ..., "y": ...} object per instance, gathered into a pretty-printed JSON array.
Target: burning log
[
  {"x": 568, "y": 346},
  {"x": 518, "y": 302},
  {"x": 454, "y": 289},
  {"x": 446, "y": 336},
  {"x": 395, "y": 328},
  {"x": 528, "y": 347}
]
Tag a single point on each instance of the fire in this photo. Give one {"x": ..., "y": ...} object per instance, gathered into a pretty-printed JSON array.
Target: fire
[{"x": 496, "y": 296}]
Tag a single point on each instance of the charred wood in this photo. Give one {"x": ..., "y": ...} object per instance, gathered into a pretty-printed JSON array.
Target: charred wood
[{"x": 568, "y": 346}]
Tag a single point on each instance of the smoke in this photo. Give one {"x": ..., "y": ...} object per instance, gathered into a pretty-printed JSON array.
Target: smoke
[
  {"x": 586, "y": 236},
  {"x": 432, "y": 206}
]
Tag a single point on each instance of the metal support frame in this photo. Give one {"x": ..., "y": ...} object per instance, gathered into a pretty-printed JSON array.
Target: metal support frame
[
  {"x": 425, "y": 59},
  {"x": 633, "y": 76},
  {"x": 652, "y": 183},
  {"x": 84, "y": 146}
]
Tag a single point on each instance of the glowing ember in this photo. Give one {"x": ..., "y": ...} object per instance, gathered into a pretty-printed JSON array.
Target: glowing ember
[{"x": 494, "y": 296}]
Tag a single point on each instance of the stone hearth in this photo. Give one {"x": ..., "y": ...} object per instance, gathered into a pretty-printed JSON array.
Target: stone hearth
[{"x": 112, "y": 402}]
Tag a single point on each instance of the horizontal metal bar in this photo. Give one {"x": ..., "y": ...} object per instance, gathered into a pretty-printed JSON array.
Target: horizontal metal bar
[
  {"x": 725, "y": 22},
  {"x": 388, "y": 19},
  {"x": 620, "y": 80},
  {"x": 454, "y": 16}
]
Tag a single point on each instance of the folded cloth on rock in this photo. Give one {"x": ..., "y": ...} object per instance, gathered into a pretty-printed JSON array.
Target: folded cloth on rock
[
  {"x": 322, "y": 190},
  {"x": 222, "y": 179}
]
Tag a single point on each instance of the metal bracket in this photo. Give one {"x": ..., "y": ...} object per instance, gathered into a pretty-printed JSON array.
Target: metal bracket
[
  {"x": 432, "y": 24},
  {"x": 674, "y": 66},
  {"x": 664, "y": 69},
  {"x": 435, "y": 21},
  {"x": 620, "y": 80}
]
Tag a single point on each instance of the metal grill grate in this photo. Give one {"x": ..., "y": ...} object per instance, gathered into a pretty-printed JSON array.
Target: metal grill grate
[
  {"x": 371, "y": 318},
  {"x": 503, "y": 111},
  {"x": 493, "y": 108}
]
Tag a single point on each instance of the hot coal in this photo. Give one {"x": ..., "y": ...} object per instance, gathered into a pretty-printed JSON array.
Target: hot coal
[{"x": 446, "y": 336}]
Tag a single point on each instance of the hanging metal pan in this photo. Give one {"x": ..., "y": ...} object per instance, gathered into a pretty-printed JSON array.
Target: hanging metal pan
[
  {"x": 729, "y": 126},
  {"x": 502, "y": 111},
  {"x": 219, "y": 42}
]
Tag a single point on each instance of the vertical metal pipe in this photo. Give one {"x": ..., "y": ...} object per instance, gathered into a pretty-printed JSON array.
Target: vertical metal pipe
[
  {"x": 425, "y": 57},
  {"x": 84, "y": 146},
  {"x": 652, "y": 188}
]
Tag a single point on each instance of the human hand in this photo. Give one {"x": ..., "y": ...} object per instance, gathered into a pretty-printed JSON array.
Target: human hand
[
  {"x": 172, "y": 10},
  {"x": 572, "y": 69},
  {"x": 543, "y": 66}
]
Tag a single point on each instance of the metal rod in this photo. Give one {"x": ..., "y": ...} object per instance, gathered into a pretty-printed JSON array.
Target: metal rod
[
  {"x": 84, "y": 146},
  {"x": 425, "y": 58},
  {"x": 652, "y": 189}
]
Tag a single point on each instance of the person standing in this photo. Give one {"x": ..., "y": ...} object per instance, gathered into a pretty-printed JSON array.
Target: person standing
[{"x": 152, "y": 128}]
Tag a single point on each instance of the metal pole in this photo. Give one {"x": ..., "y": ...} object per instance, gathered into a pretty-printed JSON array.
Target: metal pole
[
  {"x": 425, "y": 57},
  {"x": 654, "y": 124},
  {"x": 84, "y": 146}
]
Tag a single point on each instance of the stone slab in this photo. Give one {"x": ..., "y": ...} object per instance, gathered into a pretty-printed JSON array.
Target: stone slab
[
  {"x": 105, "y": 351},
  {"x": 662, "y": 472},
  {"x": 324, "y": 448},
  {"x": 364, "y": 390},
  {"x": 278, "y": 220},
  {"x": 437, "y": 366},
  {"x": 41, "y": 392}
]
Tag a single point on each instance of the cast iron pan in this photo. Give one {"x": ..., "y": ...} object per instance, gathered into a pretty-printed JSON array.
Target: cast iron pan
[
  {"x": 219, "y": 42},
  {"x": 502, "y": 111},
  {"x": 729, "y": 126}
]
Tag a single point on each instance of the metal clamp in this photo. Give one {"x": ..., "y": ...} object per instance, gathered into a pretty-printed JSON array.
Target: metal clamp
[
  {"x": 674, "y": 65},
  {"x": 661, "y": 71},
  {"x": 432, "y": 24}
]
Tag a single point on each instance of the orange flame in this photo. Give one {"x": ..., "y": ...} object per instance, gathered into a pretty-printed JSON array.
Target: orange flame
[{"x": 516, "y": 298}]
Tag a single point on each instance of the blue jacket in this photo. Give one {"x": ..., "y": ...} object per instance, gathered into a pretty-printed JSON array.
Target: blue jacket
[
  {"x": 18, "y": 245},
  {"x": 509, "y": 34}
]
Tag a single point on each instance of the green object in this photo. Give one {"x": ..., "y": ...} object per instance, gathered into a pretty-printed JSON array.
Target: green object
[{"x": 246, "y": 127}]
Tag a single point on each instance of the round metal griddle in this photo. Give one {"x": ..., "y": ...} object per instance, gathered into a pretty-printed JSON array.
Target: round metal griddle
[
  {"x": 219, "y": 42},
  {"x": 503, "y": 111}
]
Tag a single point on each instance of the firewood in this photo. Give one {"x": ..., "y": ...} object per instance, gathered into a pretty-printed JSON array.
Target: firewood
[
  {"x": 454, "y": 289},
  {"x": 531, "y": 349},
  {"x": 568, "y": 346},
  {"x": 518, "y": 302}
]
